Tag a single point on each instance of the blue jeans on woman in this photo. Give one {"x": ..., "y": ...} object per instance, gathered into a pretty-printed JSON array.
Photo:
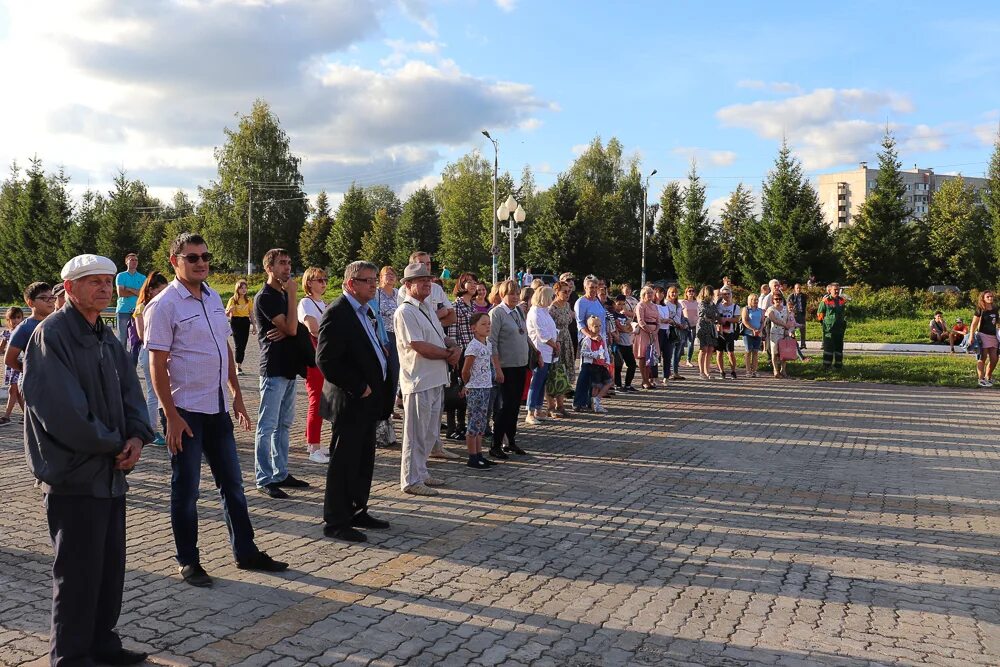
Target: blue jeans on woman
[
  {"x": 689, "y": 341},
  {"x": 536, "y": 391},
  {"x": 673, "y": 346}
]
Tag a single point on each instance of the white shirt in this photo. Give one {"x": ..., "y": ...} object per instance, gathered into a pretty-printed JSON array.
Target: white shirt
[
  {"x": 414, "y": 322},
  {"x": 541, "y": 327},
  {"x": 309, "y": 306},
  {"x": 433, "y": 302},
  {"x": 482, "y": 353},
  {"x": 664, "y": 314},
  {"x": 526, "y": 280}
]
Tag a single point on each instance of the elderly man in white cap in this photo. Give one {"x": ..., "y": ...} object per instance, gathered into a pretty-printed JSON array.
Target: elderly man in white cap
[
  {"x": 85, "y": 425},
  {"x": 424, "y": 355}
]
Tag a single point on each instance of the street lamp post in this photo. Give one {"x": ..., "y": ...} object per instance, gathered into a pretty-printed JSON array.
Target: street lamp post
[
  {"x": 645, "y": 196},
  {"x": 249, "y": 229},
  {"x": 513, "y": 213},
  {"x": 495, "y": 250}
]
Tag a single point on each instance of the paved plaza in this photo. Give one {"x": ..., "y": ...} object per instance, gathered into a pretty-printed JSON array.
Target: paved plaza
[{"x": 746, "y": 522}]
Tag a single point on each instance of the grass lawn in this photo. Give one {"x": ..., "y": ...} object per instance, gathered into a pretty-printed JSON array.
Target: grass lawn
[
  {"x": 895, "y": 330},
  {"x": 957, "y": 370}
]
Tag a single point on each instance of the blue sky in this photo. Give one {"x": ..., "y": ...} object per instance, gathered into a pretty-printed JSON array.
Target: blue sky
[{"x": 391, "y": 90}]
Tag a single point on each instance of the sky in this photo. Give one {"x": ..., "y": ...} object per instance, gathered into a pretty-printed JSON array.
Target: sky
[{"x": 390, "y": 91}]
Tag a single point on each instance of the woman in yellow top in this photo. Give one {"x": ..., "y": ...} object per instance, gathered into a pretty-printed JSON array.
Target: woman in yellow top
[{"x": 238, "y": 312}]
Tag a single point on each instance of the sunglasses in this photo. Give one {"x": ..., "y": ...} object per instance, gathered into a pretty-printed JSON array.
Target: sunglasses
[{"x": 192, "y": 258}]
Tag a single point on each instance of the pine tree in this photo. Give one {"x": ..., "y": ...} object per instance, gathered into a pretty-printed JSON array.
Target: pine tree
[
  {"x": 419, "y": 228},
  {"x": 991, "y": 201},
  {"x": 876, "y": 249},
  {"x": 377, "y": 244},
  {"x": 382, "y": 196},
  {"x": 956, "y": 228},
  {"x": 118, "y": 226},
  {"x": 10, "y": 202},
  {"x": 81, "y": 238},
  {"x": 316, "y": 231},
  {"x": 659, "y": 253},
  {"x": 694, "y": 251},
  {"x": 349, "y": 226},
  {"x": 61, "y": 206},
  {"x": 34, "y": 258},
  {"x": 735, "y": 216}
]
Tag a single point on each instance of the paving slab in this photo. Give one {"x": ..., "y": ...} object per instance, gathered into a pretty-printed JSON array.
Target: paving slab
[{"x": 748, "y": 522}]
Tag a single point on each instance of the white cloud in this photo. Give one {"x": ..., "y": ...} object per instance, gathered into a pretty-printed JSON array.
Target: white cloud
[
  {"x": 118, "y": 94},
  {"x": 828, "y": 126},
  {"x": 923, "y": 139},
  {"x": 705, "y": 156},
  {"x": 507, "y": 5},
  {"x": 529, "y": 124},
  {"x": 579, "y": 149}
]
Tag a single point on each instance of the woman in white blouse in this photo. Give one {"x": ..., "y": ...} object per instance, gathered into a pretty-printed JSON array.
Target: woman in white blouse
[
  {"x": 782, "y": 323},
  {"x": 543, "y": 334},
  {"x": 310, "y": 311}
]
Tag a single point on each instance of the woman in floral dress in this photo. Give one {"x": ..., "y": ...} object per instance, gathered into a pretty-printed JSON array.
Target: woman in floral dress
[{"x": 563, "y": 316}]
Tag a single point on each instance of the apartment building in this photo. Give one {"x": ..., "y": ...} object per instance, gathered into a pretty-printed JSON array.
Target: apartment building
[{"x": 842, "y": 194}]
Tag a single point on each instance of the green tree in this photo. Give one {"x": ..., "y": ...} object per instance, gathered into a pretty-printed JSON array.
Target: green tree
[
  {"x": 555, "y": 238},
  {"x": 382, "y": 196},
  {"x": 81, "y": 237},
  {"x": 377, "y": 243},
  {"x": 62, "y": 208},
  {"x": 659, "y": 252},
  {"x": 876, "y": 249},
  {"x": 10, "y": 202},
  {"x": 349, "y": 226},
  {"x": 314, "y": 235},
  {"x": 956, "y": 229},
  {"x": 694, "y": 249},
  {"x": 419, "y": 228},
  {"x": 991, "y": 200},
  {"x": 465, "y": 197},
  {"x": 118, "y": 225},
  {"x": 256, "y": 171},
  {"x": 736, "y": 215},
  {"x": 33, "y": 258}
]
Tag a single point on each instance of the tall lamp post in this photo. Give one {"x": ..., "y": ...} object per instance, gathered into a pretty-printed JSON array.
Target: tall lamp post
[
  {"x": 645, "y": 196},
  {"x": 495, "y": 250},
  {"x": 513, "y": 212},
  {"x": 250, "y": 229}
]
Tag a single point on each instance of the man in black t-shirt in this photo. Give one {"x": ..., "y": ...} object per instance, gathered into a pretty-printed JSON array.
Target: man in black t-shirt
[{"x": 274, "y": 309}]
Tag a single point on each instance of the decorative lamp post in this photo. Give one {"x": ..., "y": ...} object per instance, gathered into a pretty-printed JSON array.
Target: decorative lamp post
[{"x": 513, "y": 212}]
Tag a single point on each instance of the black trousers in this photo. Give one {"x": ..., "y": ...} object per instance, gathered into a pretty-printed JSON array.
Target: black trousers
[
  {"x": 88, "y": 574},
  {"x": 241, "y": 334},
  {"x": 352, "y": 464},
  {"x": 505, "y": 421},
  {"x": 626, "y": 357}
]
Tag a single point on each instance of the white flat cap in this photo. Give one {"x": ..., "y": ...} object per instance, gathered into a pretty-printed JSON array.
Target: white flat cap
[{"x": 88, "y": 265}]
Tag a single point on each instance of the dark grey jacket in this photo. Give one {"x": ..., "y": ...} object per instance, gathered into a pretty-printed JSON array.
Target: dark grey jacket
[{"x": 82, "y": 402}]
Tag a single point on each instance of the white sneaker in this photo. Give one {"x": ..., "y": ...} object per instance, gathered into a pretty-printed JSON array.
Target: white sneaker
[
  {"x": 325, "y": 450},
  {"x": 442, "y": 453},
  {"x": 420, "y": 490},
  {"x": 989, "y": 382},
  {"x": 598, "y": 406},
  {"x": 531, "y": 420},
  {"x": 317, "y": 456},
  {"x": 983, "y": 383}
]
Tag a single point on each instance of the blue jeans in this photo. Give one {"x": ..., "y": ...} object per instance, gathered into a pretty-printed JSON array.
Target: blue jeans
[
  {"x": 690, "y": 344},
  {"x": 581, "y": 395},
  {"x": 672, "y": 353},
  {"x": 123, "y": 320},
  {"x": 274, "y": 421},
  {"x": 152, "y": 403},
  {"x": 536, "y": 391},
  {"x": 213, "y": 437}
]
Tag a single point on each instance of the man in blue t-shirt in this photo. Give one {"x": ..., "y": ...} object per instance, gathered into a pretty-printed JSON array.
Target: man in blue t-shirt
[
  {"x": 128, "y": 283},
  {"x": 38, "y": 296}
]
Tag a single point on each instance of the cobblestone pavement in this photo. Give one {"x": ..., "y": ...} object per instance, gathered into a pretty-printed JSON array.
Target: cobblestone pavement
[{"x": 715, "y": 523}]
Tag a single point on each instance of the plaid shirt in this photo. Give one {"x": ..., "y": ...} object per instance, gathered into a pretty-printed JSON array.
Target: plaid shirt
[{"x": 461, "y": 330}]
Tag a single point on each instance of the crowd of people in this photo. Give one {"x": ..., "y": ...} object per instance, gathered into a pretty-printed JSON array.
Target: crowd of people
[{"x": 378, "y": 351}]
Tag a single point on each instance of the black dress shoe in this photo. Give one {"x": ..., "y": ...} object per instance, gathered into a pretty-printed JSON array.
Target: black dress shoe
[
  {"x": 293, "y": 483},
  {"x": 497, "y": 453},
  {"x": 514, "y": 449},
  {"x": 366, "y": 520},
  {"x": 262, "y": 562},
  {"x": 272, "y": 491},
  {"x": 195, "y": 575},
  {"x": 122, "y": 656},
  {"x": 346, "y": 533}
]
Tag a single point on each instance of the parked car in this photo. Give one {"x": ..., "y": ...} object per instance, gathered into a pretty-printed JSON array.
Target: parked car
[
  {"x": 547, "y": 278},
  {"x": 944, "y": 289}
]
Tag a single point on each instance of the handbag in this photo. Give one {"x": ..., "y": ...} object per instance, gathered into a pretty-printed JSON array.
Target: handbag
[
  {"x": 787, "y": 349},
  {"x": 557, "y": 383}
]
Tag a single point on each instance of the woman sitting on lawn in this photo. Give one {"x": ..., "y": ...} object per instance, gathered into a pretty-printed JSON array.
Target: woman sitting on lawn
[{"x": 984, "y": 322}]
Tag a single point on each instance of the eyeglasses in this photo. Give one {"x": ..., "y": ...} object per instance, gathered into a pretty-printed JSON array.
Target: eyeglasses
[
  {"x": 319, "y": 280},
  {"x": 47, "y": 299},
  {"x": 192, "y": 258},
  {"x": 362, "y": 280}
]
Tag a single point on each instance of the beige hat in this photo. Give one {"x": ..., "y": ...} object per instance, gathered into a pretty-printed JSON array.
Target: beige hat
[
  {"x": 88, "y": 265},
  {"x": 566, "y": 276},
  {"x": 415, "y": 270}
]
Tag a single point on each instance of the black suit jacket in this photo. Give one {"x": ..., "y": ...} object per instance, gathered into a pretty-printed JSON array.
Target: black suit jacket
[{"x": 349, "y": 363}]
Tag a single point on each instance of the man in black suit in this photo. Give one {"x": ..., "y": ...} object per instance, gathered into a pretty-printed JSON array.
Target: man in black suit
[{"x": 357, "y": 394}]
